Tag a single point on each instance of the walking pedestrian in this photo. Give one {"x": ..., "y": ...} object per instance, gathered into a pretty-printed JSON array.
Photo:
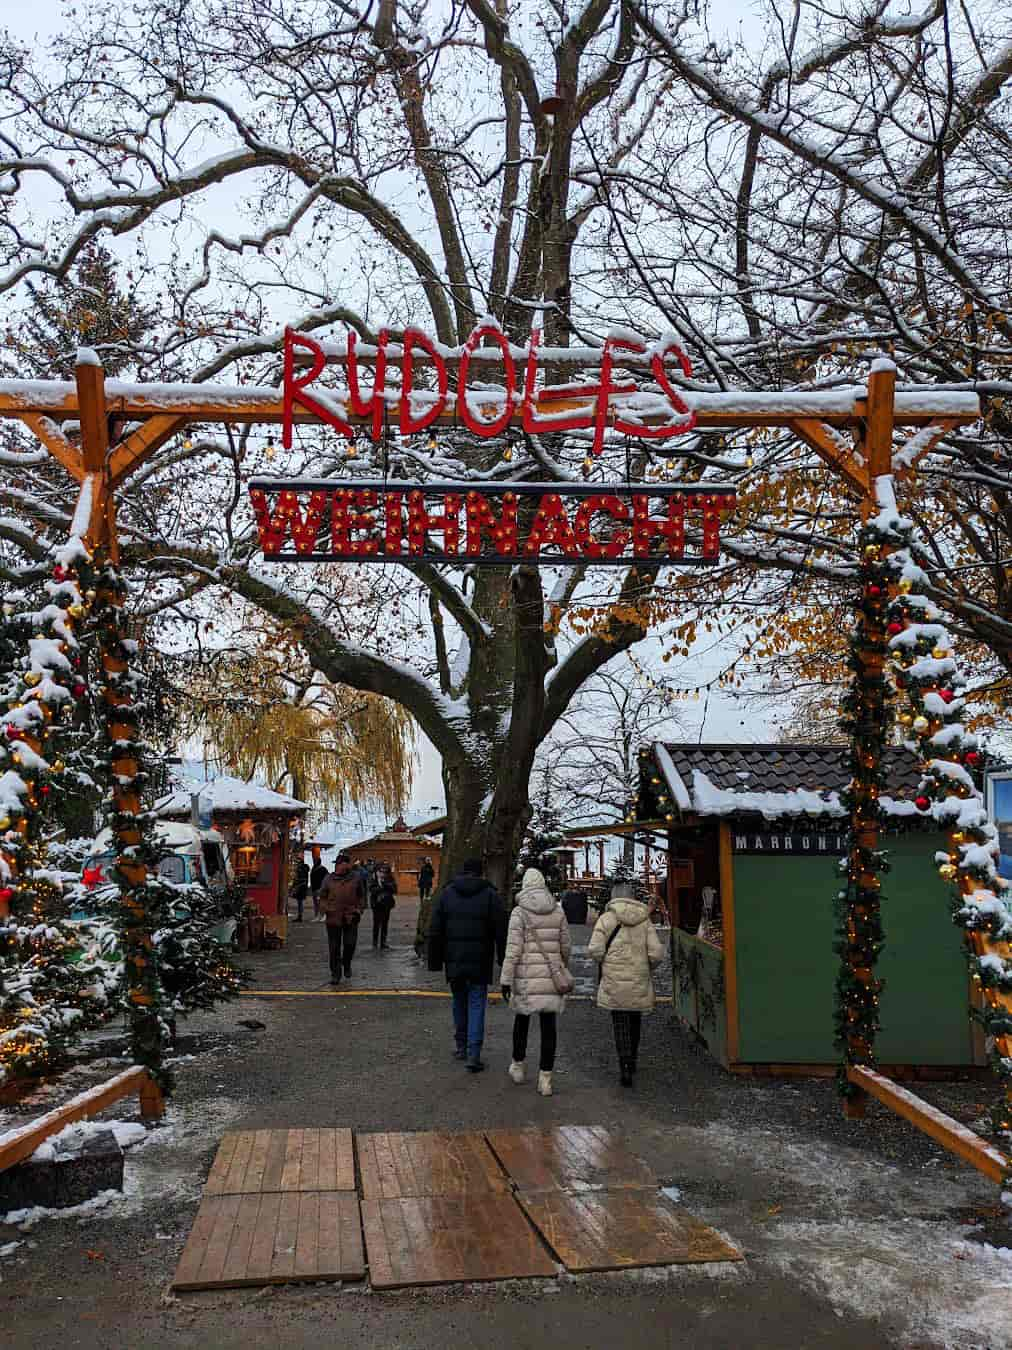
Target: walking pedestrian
[
  {"x": 626, "y": 948},
  {"x": 426, "y": 877},
  {"x": 301, "y": 887},
  {"x": 317, "y": 877},
  {"x": 342, "y": 900},
  {"x": 382, "y": 901},
  {"x": 538, "y": 947},
  {"x": 466, "y": 935}
]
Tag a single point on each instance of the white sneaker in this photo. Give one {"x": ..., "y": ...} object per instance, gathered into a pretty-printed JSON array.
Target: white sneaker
[
  {"x": 517, "y": 1072},
  {"x": 544, "y": 1083}
]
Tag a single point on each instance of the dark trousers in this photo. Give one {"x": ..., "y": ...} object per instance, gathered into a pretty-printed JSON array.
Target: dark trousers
[
  {"x": 341, "y": 945},
  {"x": 380, "y": 924},
  {"x": 300, "y": 900},
  {"x": 627, "y": 1027},
  {"x": 549, "y": 1038}
]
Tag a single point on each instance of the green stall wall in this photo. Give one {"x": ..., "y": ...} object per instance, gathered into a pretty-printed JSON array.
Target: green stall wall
[
  {"x": 698, "y": 987},
  {"x": 786, "y": 966}
]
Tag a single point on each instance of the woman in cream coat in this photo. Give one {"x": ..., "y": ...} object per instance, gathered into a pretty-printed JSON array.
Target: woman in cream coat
[
  {"x": 626, "y": 947},
  {"x": 538, "y": 934}
]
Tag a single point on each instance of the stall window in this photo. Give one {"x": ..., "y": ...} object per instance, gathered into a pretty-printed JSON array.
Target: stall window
[
  {"x": 214, "y": 862},
  {"x": 173, "y": 868},
  {"x": 999, "y": 801}
]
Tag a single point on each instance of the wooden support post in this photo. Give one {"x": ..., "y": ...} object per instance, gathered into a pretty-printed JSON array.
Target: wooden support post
[
  {"x": 726, "y": 872},
  {"x": 870, "y": 654},
  {"x": 600, "y": 855}
]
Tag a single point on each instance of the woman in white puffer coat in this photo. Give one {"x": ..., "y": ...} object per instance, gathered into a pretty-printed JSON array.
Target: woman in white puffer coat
[
  {"x": 538, "y": 935},
  {"x": 626, "y": 947}
]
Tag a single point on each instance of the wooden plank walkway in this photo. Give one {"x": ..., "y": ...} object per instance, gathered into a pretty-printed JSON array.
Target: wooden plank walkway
[
  {"x": 568, "y": 1158},
  {"x": 422, "y": 1240},
  {"x": 396, "y": 1166},
  {"x": 253, "y": 1162},
  {"x": 276, "y": 1238},
  {"x": 616, "y": 1230}
]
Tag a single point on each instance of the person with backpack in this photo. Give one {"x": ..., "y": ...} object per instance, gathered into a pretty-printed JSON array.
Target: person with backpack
[
  {"x": 467, "y": 933},
  {"x": 342, "y": 900},
  {"x": 382, "y": 900},
  {"x": 317, "y": 877},
  {"x": 535, "y": 978},
  {"x": 626, "y": 948}
]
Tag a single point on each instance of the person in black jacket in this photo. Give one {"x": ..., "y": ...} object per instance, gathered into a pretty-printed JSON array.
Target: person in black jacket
[
  {"x": 317, "y": 877},
  {"x": 467, "y": 933}
]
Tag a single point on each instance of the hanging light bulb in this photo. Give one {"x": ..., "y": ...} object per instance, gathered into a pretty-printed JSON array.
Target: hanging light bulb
[
  {"x": 187, "y": 443},
  {"x": 507, "y": 454},
  {"x": 433, "y": 443},
  {"x": 749, "y": 461},
  {"x": 272, "y": 449},
  {"x": 352, "y": 452}
]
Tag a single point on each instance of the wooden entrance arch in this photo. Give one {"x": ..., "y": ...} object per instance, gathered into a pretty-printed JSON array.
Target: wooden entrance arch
[{"x": 120, "y": 425}]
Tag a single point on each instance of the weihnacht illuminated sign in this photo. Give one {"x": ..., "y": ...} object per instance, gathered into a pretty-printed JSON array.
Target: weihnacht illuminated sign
[{"x": 324, "y": 521}]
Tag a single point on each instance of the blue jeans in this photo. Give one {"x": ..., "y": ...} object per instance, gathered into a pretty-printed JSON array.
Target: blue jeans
[{"x": 469, "y": 1017}]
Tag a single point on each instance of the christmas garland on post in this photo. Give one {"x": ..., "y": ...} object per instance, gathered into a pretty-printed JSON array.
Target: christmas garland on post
[
  {"x": 867, "y": 719},
  {"x": 926, "y": 671},
  {"x": 141, "y": 903}
]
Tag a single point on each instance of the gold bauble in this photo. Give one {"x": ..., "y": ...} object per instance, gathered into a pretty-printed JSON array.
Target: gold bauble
[
  {"x": 948, "y": 871},
  {"x": 905, "y": 586},
  {"x": 33, "y": 678},
  {"x": 921, "y": 725},
  {"x": 76, "y": 611}
]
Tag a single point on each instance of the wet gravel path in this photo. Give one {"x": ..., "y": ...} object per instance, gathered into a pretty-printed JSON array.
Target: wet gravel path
[{"x": 851, "y": 1229}]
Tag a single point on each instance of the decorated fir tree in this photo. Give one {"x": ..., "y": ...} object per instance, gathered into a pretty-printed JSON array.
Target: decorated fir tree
[{"x": 540, "y": 848}]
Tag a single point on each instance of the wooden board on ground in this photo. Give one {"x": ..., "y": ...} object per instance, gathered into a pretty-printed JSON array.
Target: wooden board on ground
[
  {"x": 395, "y": 1166},
  {"x": 419, "y": 1240},
  {"x": 617, "y": 1230},
  {"x": 275, "y": 1238},
  {"x": 253, "y": 1162},
  {"x": 568, "y": 1158}
]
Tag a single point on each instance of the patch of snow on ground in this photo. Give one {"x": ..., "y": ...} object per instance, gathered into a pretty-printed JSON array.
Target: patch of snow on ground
[
  {"x": 673, "y": 1193},
  {"x": 26, "y": 1219},
  {"x": 71, "y": 1139},
  {"x": 915, "y": 1275},
  {"x": 9, "y": 1248}
]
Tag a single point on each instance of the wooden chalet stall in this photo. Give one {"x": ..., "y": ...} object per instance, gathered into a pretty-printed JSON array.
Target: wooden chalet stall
[
  {"x": 403, "y": 849},
  {"x": 263, "y": 830},
  {"x": 753, "y": 835}
]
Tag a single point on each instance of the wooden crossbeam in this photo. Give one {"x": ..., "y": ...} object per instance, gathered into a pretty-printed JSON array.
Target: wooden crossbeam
[
  {"x": 197, "y": 403},
  {"x": 131, "y": 452},
  {"x": 814, "y": 433},
  {"x": 16, "y": 1145},
  {"x": 943, "y": 1129},
  {"x": 59, "y": 446}
]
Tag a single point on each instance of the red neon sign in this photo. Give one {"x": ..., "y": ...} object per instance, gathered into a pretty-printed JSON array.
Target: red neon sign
[
  {"x": 417, "y": 409},
  {"x": 494, "y": 524}
]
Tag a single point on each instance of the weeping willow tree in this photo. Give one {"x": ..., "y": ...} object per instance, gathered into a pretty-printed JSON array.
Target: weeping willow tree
[{"x": 329, "y": 744}]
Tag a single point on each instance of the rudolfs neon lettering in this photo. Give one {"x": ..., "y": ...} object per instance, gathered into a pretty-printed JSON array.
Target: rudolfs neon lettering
[{"x": 418, "y": 409}]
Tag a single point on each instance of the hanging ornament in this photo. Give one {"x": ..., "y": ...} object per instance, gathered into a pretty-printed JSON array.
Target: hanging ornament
[
  {"x": 921, "y": 724},
  {"x": 921, "y": 802},
  {"x": 946, "y": 695}
]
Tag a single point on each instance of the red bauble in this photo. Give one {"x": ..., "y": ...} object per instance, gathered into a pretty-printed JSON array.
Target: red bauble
[
  {"x": 92, "y": 877},
  {"x": 11, "y": 731},
  {"x": 972, "y": 757},
  {"x": 59, "y": 572},
  {"x": 45, "y": 789},
  {"x": 78, "y": 688},
  {"x": 6, "y": 894},
  {"x": 895, "y": 627},
  {"x": 946, "y": 695},
  {"x": 873, "y": 591},
  {"x": 922, "y": 803}
]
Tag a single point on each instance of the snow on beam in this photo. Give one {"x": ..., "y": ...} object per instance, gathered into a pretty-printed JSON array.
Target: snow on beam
[{"x": 674, "y": 780}]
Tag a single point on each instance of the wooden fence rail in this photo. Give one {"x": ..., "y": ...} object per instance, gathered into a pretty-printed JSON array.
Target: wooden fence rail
[
  {"x": 16, "y": 1145},
  {"x": 942, "y": 1128}
]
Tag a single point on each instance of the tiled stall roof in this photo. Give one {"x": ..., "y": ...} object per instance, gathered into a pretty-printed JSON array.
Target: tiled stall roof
[{"x": 776, "y": 780}]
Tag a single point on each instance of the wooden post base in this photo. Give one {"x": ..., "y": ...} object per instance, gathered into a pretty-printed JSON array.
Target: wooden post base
[
  {"x": 854, "y": 1107},
  {"x": 152, "y": 1100}
]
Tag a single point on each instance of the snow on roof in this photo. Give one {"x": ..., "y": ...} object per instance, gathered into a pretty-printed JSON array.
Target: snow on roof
[{"x": 227, "y": 794}]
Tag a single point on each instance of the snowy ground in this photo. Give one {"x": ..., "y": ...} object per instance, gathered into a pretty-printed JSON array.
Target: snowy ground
[{"x": 856, "y": 1233}]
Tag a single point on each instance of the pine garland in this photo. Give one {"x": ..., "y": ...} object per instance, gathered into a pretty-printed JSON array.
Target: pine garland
[
  {"x": 867, "y": 720},
  {"x": 142, "y": 895}
]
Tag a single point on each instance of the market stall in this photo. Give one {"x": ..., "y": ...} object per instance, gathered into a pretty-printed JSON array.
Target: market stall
[{"x": 753, "y": 833}]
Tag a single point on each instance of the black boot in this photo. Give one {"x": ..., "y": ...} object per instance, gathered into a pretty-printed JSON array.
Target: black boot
[{"x": 626, "y": 1072}]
